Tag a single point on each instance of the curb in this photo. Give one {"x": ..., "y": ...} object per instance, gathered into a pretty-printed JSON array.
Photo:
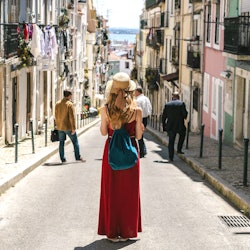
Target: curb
[
  {"x": 12, "y": 180},
  {"x": 242, "y": 202}
]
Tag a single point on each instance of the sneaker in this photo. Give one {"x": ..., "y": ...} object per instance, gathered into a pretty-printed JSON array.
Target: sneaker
[{"x": 64, "y": 160}]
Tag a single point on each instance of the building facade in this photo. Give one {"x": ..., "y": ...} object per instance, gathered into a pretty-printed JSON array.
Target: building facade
[{"x": 45, "y": 47}]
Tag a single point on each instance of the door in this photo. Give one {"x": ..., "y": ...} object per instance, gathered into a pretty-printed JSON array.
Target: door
[
  {"x": 239, "y": 110},
  {"x": 14, "y": 104}
]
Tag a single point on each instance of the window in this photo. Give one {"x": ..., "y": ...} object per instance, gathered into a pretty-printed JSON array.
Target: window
[
  {"x": 209, "y": 23},
  {"x": 217, "y": 24},
  {"x": 172, "y": 7},
  {"x": 196, "y": 99},
  {"x": 126, "y": 65},
  {"x": 196, "y": 26},
  {"x": 14, "y": 11},
  {"x": 206, "y": 92},
  {"x": 214, "y": 96}
]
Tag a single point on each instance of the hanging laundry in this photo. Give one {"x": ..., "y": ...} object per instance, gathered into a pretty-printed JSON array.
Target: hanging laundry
[
  {"x": 51, "y": 47},
  {"x": 37, "y": 42},
  {"x": 26, "y": 32}
]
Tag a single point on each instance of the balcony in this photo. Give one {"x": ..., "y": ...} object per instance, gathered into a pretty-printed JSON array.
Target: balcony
[
  {"x": 175, "y": 55},
  {"x": 153, "y": 77},
  {"x": 11, "y": 41},
  {"x": 155, "y": 39},
  {"x": 153, "y": 3},
  {"x": 177, "y": 4},
  {"x": 143, "y": 24},
  {"x": 237, "y": 36},
  {"x": 193, "y": 59}
]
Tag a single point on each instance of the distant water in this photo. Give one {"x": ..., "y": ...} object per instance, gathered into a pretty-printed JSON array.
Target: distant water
[{"x": 122, "y": 37}]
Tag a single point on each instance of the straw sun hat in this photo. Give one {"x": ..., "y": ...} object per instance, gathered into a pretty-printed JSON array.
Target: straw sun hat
[{"x": 120, "y": 81}]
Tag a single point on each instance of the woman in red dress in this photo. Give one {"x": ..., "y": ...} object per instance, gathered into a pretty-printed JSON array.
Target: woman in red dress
[{"x": 120, "y": 211}]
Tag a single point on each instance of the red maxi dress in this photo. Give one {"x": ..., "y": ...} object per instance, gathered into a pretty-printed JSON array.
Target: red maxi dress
[{"x": 120, "y": 211}]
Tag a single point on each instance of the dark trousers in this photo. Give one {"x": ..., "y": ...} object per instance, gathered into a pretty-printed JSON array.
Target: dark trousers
[
  {"x": 172, "y": 136},
  {"x": 142, "y": 146}
]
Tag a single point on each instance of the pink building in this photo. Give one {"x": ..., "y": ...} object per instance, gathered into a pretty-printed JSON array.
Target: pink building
[{"x": 214, "y": 66}]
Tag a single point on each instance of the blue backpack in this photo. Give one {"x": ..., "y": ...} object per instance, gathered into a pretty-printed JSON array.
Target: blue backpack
[{"x": 122, "y": 154}]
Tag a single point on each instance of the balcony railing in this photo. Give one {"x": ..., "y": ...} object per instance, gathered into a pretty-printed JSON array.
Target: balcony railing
[
  {"x": 152, "y": 3},
  {"x": 175, "y": 55},
  {"x": 177, "y": 4},
  {"x": 155, "y": 39},
  {"x": 195, "y": 1},
  {"x": 237, "y": 35},
  {"x": 144, "y": 24},
  {"x": 11, "y": 41},
  {"x": 193, "y": 59},
  {"x": 153, "y": 77}
]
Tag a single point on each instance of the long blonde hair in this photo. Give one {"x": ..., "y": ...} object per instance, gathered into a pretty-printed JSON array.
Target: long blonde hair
[{"x": 118, "y": 117}]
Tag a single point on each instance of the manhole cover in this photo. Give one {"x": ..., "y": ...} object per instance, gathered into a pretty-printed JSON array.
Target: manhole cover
[{"x": 235, "y": 221}]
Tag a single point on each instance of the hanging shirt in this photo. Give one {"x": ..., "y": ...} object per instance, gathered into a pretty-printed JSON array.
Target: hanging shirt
[
  {"x": 37, "y": 42},
  {"x": 51, "y": 47}
]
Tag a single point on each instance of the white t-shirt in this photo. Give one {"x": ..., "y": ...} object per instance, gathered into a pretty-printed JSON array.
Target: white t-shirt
[{"x": 145, "y": 105}]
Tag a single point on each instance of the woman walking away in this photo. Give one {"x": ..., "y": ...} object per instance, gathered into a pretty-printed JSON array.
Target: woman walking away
[{"x": 120, "y": 212}]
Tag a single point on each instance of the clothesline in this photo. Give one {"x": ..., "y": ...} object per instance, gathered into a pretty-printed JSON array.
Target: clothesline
[{"x": 40, "y": 25}]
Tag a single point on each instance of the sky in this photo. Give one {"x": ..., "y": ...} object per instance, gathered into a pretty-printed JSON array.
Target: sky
[{"x": 120, "y": 13}]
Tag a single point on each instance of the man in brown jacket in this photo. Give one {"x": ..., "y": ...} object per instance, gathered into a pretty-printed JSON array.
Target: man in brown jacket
[{"x": 65, "y": 124}]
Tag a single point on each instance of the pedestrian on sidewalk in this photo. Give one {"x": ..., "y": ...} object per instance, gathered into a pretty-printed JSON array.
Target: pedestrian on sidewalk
[
  {"x": 65, "y": 124},
  {"x": 145, "y": 104},
  {"x": 173, "y": 122},
  {"x": 120, "y": 212}
]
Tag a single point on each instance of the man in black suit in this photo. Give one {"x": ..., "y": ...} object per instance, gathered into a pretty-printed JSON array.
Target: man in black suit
[{"x": 173, "y": 121}]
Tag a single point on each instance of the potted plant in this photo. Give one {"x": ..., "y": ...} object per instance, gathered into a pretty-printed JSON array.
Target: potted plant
[{"x": 63, "y": 20}]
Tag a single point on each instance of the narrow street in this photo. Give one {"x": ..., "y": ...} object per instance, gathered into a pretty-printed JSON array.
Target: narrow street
[{"x": 55, "y": 207}]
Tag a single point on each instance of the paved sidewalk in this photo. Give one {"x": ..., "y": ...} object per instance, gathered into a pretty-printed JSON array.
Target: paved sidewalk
[
  {"x": 228, "y": 180},
  {"x": 11, "y": 172}
]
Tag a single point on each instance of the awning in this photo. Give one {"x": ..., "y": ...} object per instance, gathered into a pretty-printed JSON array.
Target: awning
[{"x": 171, "y": 77}]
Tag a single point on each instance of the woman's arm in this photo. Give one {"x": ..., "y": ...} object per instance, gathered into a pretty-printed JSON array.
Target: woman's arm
[
  {"x": 139, "y": 127},
  {"x": 104, "y": 121}
]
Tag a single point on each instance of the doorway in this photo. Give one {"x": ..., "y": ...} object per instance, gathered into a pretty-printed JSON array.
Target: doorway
[
  {"x": 14, "y": 104},
  {"x": 240, "y": 104}
]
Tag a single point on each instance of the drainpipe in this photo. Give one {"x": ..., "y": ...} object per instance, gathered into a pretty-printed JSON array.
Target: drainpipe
[
  {"x": 202, "y": 62},
  {"x": 191, "y": 71},
  {"x": 180, "y": 47},
  {"x": 36, "y": 10},
  {"x": 5, "y": 84}
]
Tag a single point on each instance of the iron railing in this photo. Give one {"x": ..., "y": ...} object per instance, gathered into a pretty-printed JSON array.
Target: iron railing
[
  {"x": 11, "y": 41},
  {"x": 193, "y": 59},
  {"x": 175, "y": 55},
  {"x": 237, "y": 35},
  {"x": 152, "y": 3}
]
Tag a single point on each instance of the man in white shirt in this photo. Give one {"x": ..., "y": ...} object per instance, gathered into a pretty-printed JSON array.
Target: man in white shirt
[{"x": 145, "y": 104}]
